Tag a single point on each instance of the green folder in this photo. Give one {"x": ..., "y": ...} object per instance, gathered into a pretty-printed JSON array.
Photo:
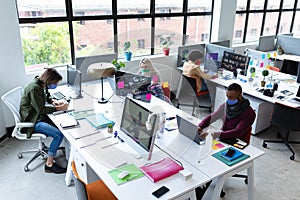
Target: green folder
[
  {"x": 229, "y": 163},
  {"x": 134, "y": 173}
]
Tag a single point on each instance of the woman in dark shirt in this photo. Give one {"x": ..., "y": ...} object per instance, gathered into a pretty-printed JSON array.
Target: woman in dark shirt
[{"x": 33, "y": 109}]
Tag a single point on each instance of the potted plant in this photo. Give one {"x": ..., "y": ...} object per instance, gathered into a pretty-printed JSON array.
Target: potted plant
[
  {"x": 252, "y": 71},
  {"x": 166, "y": 43},
  {"x": 127, "y": 52},
  {"x": 118, "y": 64},
  {"x": 264, "y": 73},
  {"x": 110, "y": 128}
]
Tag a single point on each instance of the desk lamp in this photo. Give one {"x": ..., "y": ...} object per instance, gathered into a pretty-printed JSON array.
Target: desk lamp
[{"x": 101, "y": 70}]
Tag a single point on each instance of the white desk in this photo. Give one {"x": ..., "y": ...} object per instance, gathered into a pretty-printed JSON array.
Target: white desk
[{"x": 91, "y": 161}]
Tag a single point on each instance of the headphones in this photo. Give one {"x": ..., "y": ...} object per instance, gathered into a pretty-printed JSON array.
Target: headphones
[{"x": 161, "y": 117}]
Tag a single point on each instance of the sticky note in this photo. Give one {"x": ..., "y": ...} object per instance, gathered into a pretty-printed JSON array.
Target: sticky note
[
  {"x": 154, "y": 78},
  {"x": 263, "y": 56},
  {"x": 251, "y": 62},
  {"x": 275, "y": 54},
  {"x": 165, "y": 84},
  {"x": 269, "y": 56},
  {"x": 121, "y": 84},
  {"x": 261, "y": 64},
  {"x": 148, "y": 96}
]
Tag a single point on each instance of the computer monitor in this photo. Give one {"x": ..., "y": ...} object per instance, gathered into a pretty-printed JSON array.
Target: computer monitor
[
  {"x": 130, "y": 83},
  {"x": 74, "y": 81},
  {"x": 183, "y": 52},
  {"x": 82, "y": 64},
  {"x": 233, "y": 61},
  {"x": 298, "y": 75},
  {"x": 133, "y": 123},
  {"x": 213, "y": 48},
  {"x": 266, "y": 43}
]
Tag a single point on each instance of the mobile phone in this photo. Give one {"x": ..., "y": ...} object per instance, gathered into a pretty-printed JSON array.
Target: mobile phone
[
  {"x": 230, "y": 153},
  {"x": 161, "y": 191}
]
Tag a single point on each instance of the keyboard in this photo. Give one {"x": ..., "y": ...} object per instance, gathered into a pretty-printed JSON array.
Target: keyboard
[
  {"x": 58, "y": 95},
  {"x": 296, "y": 99}
]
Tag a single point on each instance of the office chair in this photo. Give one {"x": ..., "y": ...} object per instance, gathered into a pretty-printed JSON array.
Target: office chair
[
  {"x": 287, "y": 119},
  {"x": 94, "y": 191},
  {"x": 12, "y": 100},
  {"x": 187, "y": 94}
]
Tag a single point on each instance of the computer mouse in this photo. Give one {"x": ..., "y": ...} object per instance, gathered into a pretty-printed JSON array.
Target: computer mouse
[{"x": 123, "y": 174}]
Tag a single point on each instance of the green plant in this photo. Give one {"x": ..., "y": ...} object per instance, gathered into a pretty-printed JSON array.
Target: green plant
[
  {"x": 118, "y": 64},
  {"x": 166, "y": 43},
  {"x": 109, "y": 126},
  {"x": 265, "y": 73},
  {"x": 127, "y": 45}
]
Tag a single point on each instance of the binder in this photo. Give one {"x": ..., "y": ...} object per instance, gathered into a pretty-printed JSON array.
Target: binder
[
  {"x": 227, "y": 162},
  {"x": 99, "y": 120},
  {"x": 160, "y": 170}
]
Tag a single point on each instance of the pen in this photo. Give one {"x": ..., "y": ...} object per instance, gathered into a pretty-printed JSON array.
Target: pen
[
  {"x": 121, "y": 140},
  {"x": 110, "y": 145},
  {"x": 103, "y": 138},
  {"x": 170, "y": 118},
  {"x": 62, "y": 111},
  {"x": 88, "y": 135}
]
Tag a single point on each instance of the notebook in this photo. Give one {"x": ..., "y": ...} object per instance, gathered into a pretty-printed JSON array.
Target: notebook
[
  {"x": 99, "y": 120},
  {"x": 188, "y": 129},
  {"x": 160, "y": 170}
]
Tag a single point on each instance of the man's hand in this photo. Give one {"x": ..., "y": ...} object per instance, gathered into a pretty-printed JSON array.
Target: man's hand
[{"x": 216, "y": 134}]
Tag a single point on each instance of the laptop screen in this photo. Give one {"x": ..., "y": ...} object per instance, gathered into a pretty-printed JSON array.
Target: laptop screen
[{"x": 188, "y": 129}]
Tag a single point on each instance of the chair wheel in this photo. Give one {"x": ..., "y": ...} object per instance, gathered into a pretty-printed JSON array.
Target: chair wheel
[
  {"x": 246, "y": 181},
  {"x": 292, "y": 157},
  {"x": 20, "y": 155},
  {"x": 26, "y": 169},
  {"x": 222, "y": 194},
  {"x": 264, "y": 145}
]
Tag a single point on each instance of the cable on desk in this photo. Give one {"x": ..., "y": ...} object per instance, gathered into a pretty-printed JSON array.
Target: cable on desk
[{"x": 169, "y": 155}]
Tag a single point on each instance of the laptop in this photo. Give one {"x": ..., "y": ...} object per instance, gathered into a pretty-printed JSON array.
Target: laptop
[{"x": 188, "y": 129}]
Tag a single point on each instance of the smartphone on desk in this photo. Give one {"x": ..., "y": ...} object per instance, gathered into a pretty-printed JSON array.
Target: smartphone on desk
[
  {"x": 161, "y": 191},
  {"x": 230, "y": 153}
]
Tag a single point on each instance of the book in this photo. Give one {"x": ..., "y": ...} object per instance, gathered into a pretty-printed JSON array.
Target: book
[
  {"x": 134, "y": 173},
  {"x": 227, "y": 162},
  {"x": 160, "y": 170},
  {"x": 236, "y": 154},
  {"x": 99, "y": 120}
]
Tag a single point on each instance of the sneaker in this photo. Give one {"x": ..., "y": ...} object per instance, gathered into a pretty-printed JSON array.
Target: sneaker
[{"x": 56, "y": 169}]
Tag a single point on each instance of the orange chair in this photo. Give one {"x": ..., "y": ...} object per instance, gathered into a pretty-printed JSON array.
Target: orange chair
[{"x": 94, "y": 191}]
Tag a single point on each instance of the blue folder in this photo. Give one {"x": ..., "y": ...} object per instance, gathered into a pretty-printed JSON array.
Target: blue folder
[
  {"x": 99, "y": 120},
  {"x": 227, "y": 162}
]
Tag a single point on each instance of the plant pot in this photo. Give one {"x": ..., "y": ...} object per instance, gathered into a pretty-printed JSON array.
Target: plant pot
[
  {"x": 262, "y": 83},
  {"x": 127, "y": 56},
  {"x": 166, "y": 51}
]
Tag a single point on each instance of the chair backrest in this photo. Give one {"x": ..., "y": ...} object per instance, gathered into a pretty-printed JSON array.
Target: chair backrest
[
  {"x": 186, "y": 86},
  {"x": 248, "y": 136},
  {"x": 286, "y": 117},
  {"x": 80, "y": 186}
]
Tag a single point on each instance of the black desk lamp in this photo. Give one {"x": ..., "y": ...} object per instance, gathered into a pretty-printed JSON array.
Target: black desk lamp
[{"x": 101, "y": 70}]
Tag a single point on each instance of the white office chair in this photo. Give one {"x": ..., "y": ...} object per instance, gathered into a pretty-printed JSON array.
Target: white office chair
[{"x": 12, "y": 100}]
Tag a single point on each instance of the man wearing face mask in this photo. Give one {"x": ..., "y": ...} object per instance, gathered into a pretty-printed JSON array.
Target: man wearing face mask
[
  {"x": 33, "y": 108},
  {"x": 236, "y": 113}
]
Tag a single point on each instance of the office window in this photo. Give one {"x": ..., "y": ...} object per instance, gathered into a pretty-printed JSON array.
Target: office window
[
  {"x": 45, "y": 8},
  {"x": 271, "y": 20},
  {"x": 239, "y": 25},
  {"x": 196, "y": 26},
  {"x": 91, "y": 7},
  {"x": 296, "y": 27},
  {"x": 141, "y": 44},
  {"x": 163, "y": 6},
  {"x": 257, "y": 5},
  {"x": 285, "y": 22},
  {"x": 274, "y": 4},
  {"x": 254, "y": 24},
  {"x": 45, "y": 43},
  {"x": 204, "y": 37},
  {"x": 132, "y": 7},
  {"x": 241, "y": 5},
  {"x": 288, "y": 4},
  {"x": 199, "y": 6}
]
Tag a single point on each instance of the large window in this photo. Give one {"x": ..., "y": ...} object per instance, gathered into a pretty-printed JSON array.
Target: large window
[
  {"x": 73, "y": 28},
  {"x": 265, "y": 17}
]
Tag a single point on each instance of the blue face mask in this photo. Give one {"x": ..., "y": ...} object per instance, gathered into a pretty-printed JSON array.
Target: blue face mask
[
  {"x": 232, "y": 102},
  {"x": 52, "y": 86}
]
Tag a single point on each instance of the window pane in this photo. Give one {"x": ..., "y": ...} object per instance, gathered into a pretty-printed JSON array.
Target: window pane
[
  {"x": 239, "y": 28},
  {"x": 285, "y": 22},
  {"x": 93, "y": 37},
  {"x": 298, "y": 4},
  {"x": 126, "y": 7},
  {"x": 198, "y": 29},
  {"x": 241, "y": 5},
  {"x": 257, "y": 5},
  {"x": 274, "y": 4},
  {"x": 199, "y": 5},
  {"x": 296, "y": 28},
  {"x": 170, "y": 28},
  {"x": 288, "y": 4},
  {"x": 138, "y": 33},
  {"x": 254, "y": 26},
  {"x": 271, "y": 23},
  {"x": 45, "y": 8},
  {"x": 163, "y": 6},
  {"x": 91, "y": 7},
  {"x": 45, "y": 43}
]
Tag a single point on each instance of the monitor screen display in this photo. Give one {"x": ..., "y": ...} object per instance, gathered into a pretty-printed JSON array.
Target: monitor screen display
[
  {"x": 233, "y": 61},
  {"x": 183, "y": 52},
  {"x": 298, "y": 75},
  {"x": 133, "y": 123},
  {"x": 74, "y": 81},
  {"x": 217, "y": 49},
  {"x": 130, "y": 83}
]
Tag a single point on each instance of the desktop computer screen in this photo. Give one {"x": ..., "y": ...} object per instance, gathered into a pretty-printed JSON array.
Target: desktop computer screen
[
  {"x": 74, "y": 81},
  {"x": 130, "y": 83},
  {"x": 183, "y": 52},
  {"x": 133, "y": 123},
  {"x": 298, "y": 75},
  {"x": 233, "y": 61}
]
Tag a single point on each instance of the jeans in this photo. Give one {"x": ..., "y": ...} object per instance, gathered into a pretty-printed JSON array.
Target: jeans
[{"x": 50, "y": 131}]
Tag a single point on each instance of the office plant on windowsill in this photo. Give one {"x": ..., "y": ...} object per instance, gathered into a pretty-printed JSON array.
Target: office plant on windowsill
[
  {"x": 127, "y": 52},
  {"x": 165, "y": 44}
]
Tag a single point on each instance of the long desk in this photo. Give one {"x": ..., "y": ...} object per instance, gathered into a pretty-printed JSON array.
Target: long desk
[{"x": 93, "y": 162}]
